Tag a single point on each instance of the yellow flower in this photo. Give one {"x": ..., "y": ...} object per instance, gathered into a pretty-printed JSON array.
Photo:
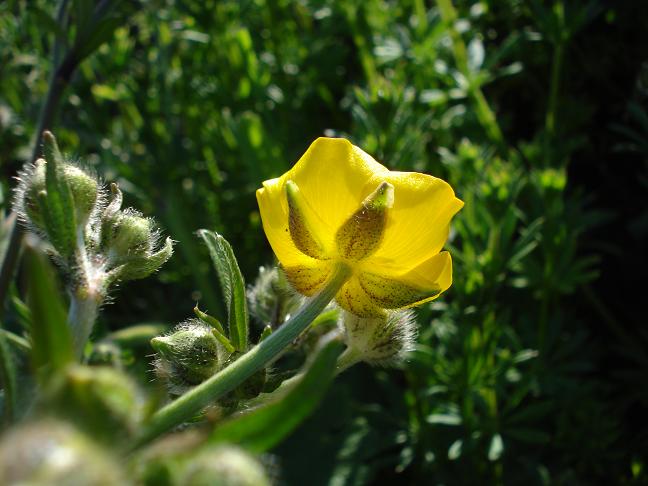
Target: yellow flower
[{"x": 337, "y": 205}]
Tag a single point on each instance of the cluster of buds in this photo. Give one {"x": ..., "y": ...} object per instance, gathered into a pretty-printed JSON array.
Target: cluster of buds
[
  {"x": 67, "y": 205},
  {"x": 93, "y": 240},
  {"x": 379, "y": 341}
]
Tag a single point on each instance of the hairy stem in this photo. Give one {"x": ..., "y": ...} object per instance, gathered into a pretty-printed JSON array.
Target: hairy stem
[
  {"x": 347, "y": 359},
  {"x": 81, "y": 317},
  {"x": 229, "y": 378},
  {"x": 87, "y": 297}
]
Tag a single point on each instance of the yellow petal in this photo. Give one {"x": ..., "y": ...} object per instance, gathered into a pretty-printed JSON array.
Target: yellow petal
[
  {"x": 354, "y": 299},
  {"x": 419, "y": 220},
  {"x": 308, "y": 279},
  {"x": 274, "y": 215},
  {"x": 422, "y": 284},
  {"x": 335, "y": 177}
]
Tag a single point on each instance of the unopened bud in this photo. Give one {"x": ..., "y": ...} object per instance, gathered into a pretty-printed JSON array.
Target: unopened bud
[
  {"x": 271, "y": 299},
  {"x": 224, "y": 466},
  {"x": 84, "y": 188},
  {"x": 51, "y": 452},
  {"x": 102, "y": 401},
  {"x": 187, "y": 356},
  {"x": 380, "y": 341},
  {"x": 130, "y": 234}
]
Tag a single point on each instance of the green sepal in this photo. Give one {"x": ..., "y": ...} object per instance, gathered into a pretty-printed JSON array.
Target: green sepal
[
  {"x": 267, "y": 330},
  {"x": 217, "y": 329},
  {"x": 59, "y": 202},
  {"x": 142, "y": 266}
]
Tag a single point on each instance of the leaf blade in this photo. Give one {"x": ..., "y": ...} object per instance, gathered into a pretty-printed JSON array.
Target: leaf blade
[
  {"x": 52, "y": 341},
  {"x": 232, "y": 286}
]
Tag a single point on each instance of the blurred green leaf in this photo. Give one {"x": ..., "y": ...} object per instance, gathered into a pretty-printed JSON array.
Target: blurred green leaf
[
  {"x": 51, "y": 340},
  {"x": 137, "y": 335},
  {"x": 7, "y": 379},
  {"x": 48, "y": 23},
  {"x": 529, "y": 436}
]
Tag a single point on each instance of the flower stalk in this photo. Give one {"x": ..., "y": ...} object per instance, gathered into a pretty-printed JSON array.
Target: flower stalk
[{"x": 258, "y": 357}]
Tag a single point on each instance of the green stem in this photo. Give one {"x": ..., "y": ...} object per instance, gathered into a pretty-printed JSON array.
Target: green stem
[
  {"x": 347, "y": 359},
  {"x": 87, "y": 297},
  {"x": 484, "y": 114},
  {"x": 229, "y": 378},
  {"x": 81, "y": 317},
  {"x": 556, "y": 68},
  {"x": 552, "y": 106}
]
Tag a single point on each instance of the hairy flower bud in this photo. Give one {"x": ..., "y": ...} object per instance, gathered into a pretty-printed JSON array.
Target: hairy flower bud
[
  {"x": 379, "y": 341},
  {"x": 187, "y": 356},
  {"x": 130, "y": 234},
  {"x": 50, "y": 452},
  {"x": 224, "y": 466},
  {"x": 271, "y": 299},
  {"x": 83, "y": 185},
  {"x": 129, "y": 241},
  {"x": 102, "y": 401}
]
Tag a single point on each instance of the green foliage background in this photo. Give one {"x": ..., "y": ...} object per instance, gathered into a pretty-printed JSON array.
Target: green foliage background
[{"x": 534, "y": 367}]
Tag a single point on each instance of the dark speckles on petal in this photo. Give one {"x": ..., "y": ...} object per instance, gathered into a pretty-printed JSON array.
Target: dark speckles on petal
[
  {"x": 392, "y": 294},
  {"x": 308, "y": 280},
  {"x": 361, "y": 234}
]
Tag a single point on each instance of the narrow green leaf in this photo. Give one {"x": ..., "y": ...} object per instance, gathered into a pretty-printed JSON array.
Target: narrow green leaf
[
  {"x": 232, "y": 285},
  {"x": 51, "y": 340},
  {"x": 263, "y": 428},
  {"x": 137, "y": 335},
  {"x": 46, "y": 23},
  {"x": 16, "y": 341},
  {"x": 496, "y": 448},
  {"x": 102, "y": 32},
  {"x": 443, "y": 419},
  {"x": 528, "y": 435},
  {"x": 7, "y": 380},
  {"x": 455, "y": 450}
]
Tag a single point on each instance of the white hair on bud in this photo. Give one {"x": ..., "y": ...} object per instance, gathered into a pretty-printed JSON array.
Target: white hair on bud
[{"x": 380, "y": 341}]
